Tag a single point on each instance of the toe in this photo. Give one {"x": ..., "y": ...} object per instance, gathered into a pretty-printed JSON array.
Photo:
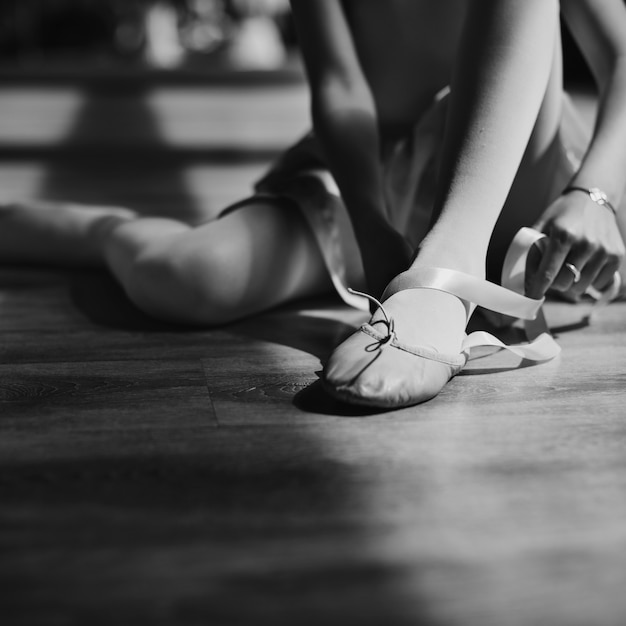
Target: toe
[
  {"x": 363, "y": 372},
  {"x": 350, "y": 360}
]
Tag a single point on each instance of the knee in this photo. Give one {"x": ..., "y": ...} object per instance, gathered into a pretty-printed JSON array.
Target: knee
[{"x": 179, "y": 289}]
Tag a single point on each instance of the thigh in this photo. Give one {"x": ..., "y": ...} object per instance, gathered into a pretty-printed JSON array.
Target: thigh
[{"x": 255, "y": 257}]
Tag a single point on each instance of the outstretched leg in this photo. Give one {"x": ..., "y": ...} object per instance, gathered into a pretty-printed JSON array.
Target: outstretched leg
[
  {"x": 254, "y": 258},
  {"x": 54, "y": 233}
]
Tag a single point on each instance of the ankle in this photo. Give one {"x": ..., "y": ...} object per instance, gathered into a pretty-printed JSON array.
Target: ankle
[
  {"x": 458, "y": 260},
  {"x": 465, "y": 252}
]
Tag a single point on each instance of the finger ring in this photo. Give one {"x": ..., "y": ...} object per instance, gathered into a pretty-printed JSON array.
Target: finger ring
[{"x": 574, "y": 270}]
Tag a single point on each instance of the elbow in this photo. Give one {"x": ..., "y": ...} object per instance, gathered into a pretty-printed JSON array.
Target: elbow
[{"x": 339, "y": 97}]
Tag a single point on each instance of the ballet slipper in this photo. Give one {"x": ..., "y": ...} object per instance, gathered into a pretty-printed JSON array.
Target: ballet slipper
[{"x": 375, "y": 367}]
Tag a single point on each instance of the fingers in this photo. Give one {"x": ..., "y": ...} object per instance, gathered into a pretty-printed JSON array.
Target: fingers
[
  {"x": 597, "y": 268},
  {"x": 605, "y": 275},
  {"x": 584, "y": 248},
  {"x": 579, "y": 269},
  {"x": 571, "y": 266},
  {"x": 550, "y": 266}
]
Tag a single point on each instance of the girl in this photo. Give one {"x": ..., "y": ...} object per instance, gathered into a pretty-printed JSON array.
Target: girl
[{"x": 402, "y": 187}]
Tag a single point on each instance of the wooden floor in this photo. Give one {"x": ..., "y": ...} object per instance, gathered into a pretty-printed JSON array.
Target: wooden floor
[{"x": 156, "y": 475}]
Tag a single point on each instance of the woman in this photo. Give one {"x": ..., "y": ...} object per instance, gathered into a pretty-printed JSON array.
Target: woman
[{"x": 420, "y": 183}]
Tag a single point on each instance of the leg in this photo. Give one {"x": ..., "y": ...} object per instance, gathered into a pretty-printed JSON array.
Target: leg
[
  {"x": 541, "y": 175},
  {"x": 254, "y": 258},
  {"x": 55, "y": 233},
  {"x": 482, "y": 155}
]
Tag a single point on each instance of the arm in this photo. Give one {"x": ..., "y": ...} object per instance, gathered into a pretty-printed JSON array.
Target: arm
[
  {"x": 581, "y": 232},
  {"x": 345, "y": 123}
]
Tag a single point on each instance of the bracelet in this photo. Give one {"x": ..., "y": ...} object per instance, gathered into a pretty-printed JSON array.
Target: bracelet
[{"x": 597, "y": 195}]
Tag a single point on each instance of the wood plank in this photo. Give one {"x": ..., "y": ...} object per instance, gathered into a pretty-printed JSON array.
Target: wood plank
[
  {"x": 151, "y": 474},
  {"x": 103, "y": 394}
]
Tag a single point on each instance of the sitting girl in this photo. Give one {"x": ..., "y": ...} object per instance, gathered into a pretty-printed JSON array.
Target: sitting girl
[{"x": 440, "y": 129}]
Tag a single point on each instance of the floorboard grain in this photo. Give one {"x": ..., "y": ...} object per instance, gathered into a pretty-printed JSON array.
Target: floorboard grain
[{"x": 151, "y": 474}]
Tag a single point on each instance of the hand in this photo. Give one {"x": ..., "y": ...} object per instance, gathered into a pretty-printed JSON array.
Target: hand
[{"x": 583, "y": 234}]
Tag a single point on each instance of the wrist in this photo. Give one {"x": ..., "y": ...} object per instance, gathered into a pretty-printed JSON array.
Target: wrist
[{"x": 595, "y": 193}]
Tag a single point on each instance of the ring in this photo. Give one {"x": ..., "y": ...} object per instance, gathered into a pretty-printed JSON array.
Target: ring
[{"x": 574, "y": 270}]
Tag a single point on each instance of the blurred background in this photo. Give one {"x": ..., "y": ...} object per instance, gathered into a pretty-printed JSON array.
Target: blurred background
[
  {"x": 199, "y": 95},
  {"x": 161, "y": 34},
  {"x": 121, "y": 499}
]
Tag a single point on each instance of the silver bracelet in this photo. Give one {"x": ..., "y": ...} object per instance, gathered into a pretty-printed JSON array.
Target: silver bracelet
[{"x": 597, "y": 195}]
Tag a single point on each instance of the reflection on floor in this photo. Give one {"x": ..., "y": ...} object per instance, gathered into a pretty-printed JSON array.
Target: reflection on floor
[{"x": 155, "y": 475}]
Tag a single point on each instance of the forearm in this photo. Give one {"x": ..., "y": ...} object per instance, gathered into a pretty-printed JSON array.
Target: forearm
[
  {"x": 342, "y": 106},
  {"x": 582, "y": 235},
  {"x": 604, "y": 164},
  {"x": 349, "y": 136},
  {"x": 346, "y": 126}
]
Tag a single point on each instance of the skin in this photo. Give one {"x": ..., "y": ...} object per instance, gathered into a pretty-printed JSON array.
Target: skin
[
  {"x": 367, "y": 85},
  {"x": 373, "y": 69},
  {"x": 501, "y": 127}
]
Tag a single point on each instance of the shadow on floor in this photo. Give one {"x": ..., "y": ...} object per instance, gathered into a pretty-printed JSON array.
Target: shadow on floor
[{"x": 228, "y": 526}]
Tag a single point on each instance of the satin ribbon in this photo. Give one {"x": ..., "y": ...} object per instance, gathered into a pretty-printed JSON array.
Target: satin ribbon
[
  {"x": 510, "y": 302},
  {"x": 514, "y": 270},
  {"x": 541, "y": 346},
  {"x": 508, "y": 299}
]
